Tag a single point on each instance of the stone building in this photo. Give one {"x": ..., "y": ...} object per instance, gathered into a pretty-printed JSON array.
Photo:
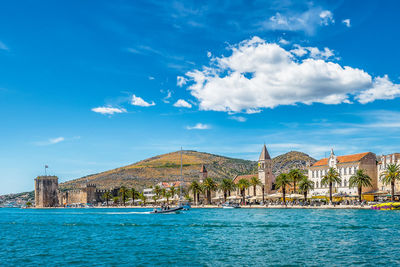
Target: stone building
[
  {"x": 46, "y": 191},
  {"x": 265, "y": 173},
  {"x": 203, "y": 173},
  {"x": 346, "y": 166},
  {"x": 383, "y": 162},
  {"x": 86, "y": 195}
]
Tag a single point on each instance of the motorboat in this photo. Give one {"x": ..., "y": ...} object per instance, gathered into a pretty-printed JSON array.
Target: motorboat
[
  {"x": 167, "y": 210},
  {"x": 230, "y": 206}
]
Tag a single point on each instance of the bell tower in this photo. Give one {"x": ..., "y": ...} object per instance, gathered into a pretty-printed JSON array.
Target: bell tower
[{"x": 265, "y": 170}]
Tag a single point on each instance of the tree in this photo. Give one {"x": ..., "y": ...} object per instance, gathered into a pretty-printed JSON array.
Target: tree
[
  {"x": 157, "y": 191},
  {"x": 196, "y": 188},
  {"x": 28, "y": 204},
  {"x": 142, "y": 197},
  {"x": 243, "y": 184},
  {"x": 168, "y": 195},
  {"x": 123, "y": 193},
  {"x": 295, "y": 176},
  {"x": 209, "y": 185},
  {"x": 390, "y": 176},
  {"x": 173, "y": 191},
  {"x": 306, "y": 185},
  {"x": 107, "y": 196},
  {"x": 332, "y": 176},
  {"x": 360, "y": 180},
  {"x": 133, "y": 193},
  {"x": 155, "y": 198},
  {"x": 282, "y": 181},
  {"x": 254, "y": 181},
  {"x": 116, "y": 200},
  {"x": 226, "y": 186}
]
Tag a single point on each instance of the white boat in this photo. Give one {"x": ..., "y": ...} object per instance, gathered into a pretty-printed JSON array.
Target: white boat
[{"x": 230, "y": 206}]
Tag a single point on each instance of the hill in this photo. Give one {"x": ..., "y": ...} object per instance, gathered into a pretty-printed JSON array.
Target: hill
[
  {"x": 166, "y": 168},
  {"x": 290, "y": 160}
]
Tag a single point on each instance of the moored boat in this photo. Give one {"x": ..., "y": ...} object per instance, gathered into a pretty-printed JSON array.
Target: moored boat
[
  {"x": 387, "y": 206},
  {"x": 230, "y": 206}
]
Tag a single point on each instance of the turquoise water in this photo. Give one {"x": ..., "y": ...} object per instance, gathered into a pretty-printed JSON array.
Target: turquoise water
[{"x": 205, "y": 237}]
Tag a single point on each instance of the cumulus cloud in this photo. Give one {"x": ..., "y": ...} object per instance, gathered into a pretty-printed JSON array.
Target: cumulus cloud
[
  {"x": 261, "y": 75},
  {"x": 182, "y": 103},
  {"x": 283, "y": 41},
  {"x": 346, "y": 22},
  {"x": 307, "y": 21},
  {"x": 313, "y": 52},
  {"x": 181, "y": 81},
  {"x": 138, "y": 101},
  {"x": 209, "y": 54},
  {"x": 382, "y": 88},
  {"x": 199, "y": 126},
  {"x": 108, "y": 110},
  {"x": 326, "y": 17}
]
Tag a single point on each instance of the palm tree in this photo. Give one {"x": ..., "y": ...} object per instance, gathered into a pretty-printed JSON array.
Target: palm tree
[
  {"x": 254, "y": 181},
  {"x": 282, "y": 181},
  {"x": 142, "y": 197},
  {"x": 209, "y": 185},
  {"x": 196, "y": 188},
  {"x": 107, "y": 196},
  {"x": 360, "y": 179},
  {"x": 306, "y": 185},
  {"x": 123, "y": 193},
  {"x": 295, "y": 175},
  {"x": 243, "y": 184},
  {"x": 173, "y": 191},
  {"x": 332, "y": 176},
  {"x": 116, "y": 200},
  {"x": 226, "y": 186},
  {"x": 167, "y": 196},
  {"x": 157, "y": 191},
  {"x": 390, "y": 176},
  {"x": 155, "y": 198},
  {"x": 133, "y": 194}
]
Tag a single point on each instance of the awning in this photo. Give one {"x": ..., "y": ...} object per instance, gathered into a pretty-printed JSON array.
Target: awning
[{"x": 234, "y": 197}]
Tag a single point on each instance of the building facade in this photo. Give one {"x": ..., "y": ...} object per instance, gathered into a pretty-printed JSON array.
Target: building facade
[
  {"x": 383, "y": 162},
  {"x": 346, "y": 166},
  {"x": 46, "y": 191}
]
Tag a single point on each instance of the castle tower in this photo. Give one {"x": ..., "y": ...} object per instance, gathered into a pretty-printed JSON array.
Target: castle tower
[
  {"x": 46, "y": 191},
  {"x": 90, "y": 193},
  {"x": 265, "y": 174},
  {"x": 203, "y": 173}
]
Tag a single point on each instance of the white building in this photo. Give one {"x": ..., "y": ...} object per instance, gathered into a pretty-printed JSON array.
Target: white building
[
  {"x": 346, "y": 166},
  {"x": 384, "y": 161}
]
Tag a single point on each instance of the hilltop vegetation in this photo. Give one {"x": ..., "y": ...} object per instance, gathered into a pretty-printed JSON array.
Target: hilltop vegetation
[{"x": 166, "y": 168}]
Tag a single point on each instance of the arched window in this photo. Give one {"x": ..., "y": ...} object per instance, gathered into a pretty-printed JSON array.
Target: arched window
[
  {"x": 345, "y": 183},
  {"x": 316, "y": 184}
]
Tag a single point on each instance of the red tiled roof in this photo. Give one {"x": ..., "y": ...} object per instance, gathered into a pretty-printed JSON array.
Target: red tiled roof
[
  {"x": 342, "y": 159},
  {"x": 247, "y": 177}
]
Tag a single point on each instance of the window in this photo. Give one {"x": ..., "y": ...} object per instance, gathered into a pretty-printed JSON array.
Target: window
[
  {"x": 345, "y": 171},
  {"x": 316, "y": 184},
  {"x": 345, "y": 183}
]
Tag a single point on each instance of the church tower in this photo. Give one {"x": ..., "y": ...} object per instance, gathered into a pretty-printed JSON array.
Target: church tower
[
  {"x": 265, "y": 174},
  {"x": 203, "y": 173}
]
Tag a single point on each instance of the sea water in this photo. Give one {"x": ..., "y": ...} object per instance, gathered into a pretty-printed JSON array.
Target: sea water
[{"x": 199, "y": 237}]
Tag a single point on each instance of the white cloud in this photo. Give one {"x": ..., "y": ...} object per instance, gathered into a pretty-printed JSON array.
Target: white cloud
[
  {"x": 199, "y": 126},
  {"x": 264, "y": 75},
  {"x": 108, "y": 110},
  {"x": 326, "y": 17},
  {"x": 3, "y": 46},
  {"x": 238, "y": 118},
  {"x": 346, "y": 22},
  {"x": 283, "y": 41},
  {"x": 182, "y": 103},
  {"x": 180, "y": 81},
  {"x": 209, "y": 54},
  {"x": 168, "y": 96},
  {"x": 138, "y": 101},
  {"x": 307, "y": 21},
  {"x": 51, "y": 141},
  {"x": 151, "y": 78},
  {"x": 313, "y": 52},
  {"x": 382, "y": 88}
]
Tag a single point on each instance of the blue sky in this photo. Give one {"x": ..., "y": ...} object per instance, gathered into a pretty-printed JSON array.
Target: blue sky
[{"x": 86, "y": 86}]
